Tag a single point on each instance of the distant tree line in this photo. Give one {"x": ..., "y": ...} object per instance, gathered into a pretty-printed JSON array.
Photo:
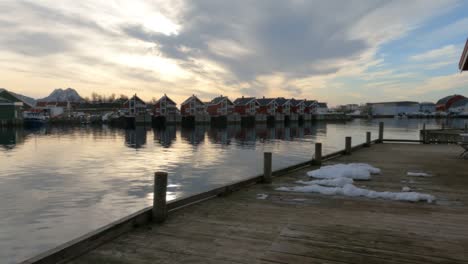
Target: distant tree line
[{"x": 102, "y": 98}]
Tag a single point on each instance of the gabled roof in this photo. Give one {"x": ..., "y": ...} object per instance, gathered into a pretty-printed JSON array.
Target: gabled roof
[
  {"x": 190, "y": 98},
  {"x": 282, "y": 101},
  {"x": 167, "y": 99},
  {"x": 266, "y": 101},
  {"x": 219, "y": 99},
  {"x": 310, "y": 102},
  {"x": 15, "y": 97},
  {"x": 136, "y": 98},
  {"x": 447, "y": 98},
  {"x": 244, "y": 100},
  {"x": 295, "y": 102}
]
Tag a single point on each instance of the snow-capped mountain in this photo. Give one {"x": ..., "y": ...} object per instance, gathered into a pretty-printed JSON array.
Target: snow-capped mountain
[
  {"x": 28, "y": 100},
  {"x": 63, "y": 95}
]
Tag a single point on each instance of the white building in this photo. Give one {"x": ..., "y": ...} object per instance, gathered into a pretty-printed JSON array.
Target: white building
[
  {"x": 390, "y": 109},
  {"x": 427, "y": 107}
]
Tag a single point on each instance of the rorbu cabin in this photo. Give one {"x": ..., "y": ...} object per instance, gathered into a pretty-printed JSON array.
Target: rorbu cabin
[
  {"x": 297, "y": 106},
  {"x": 135, "y": 106},
  {"x": 165, "y": 112},
  {"x": 165, "y": 106},
  {"x": 267, "y": 106},
  {"x": 192, "y": 106},
  {"x": 220, "y": 106},
  {"x": 246, "y": 106},
  {"x": 284, "y": 106},
  {"x": 193, "y": 111},
  {"x": 310, "y": 106}
]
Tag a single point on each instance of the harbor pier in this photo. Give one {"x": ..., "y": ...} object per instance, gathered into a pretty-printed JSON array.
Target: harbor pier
[{"x": 252, "y": 222}]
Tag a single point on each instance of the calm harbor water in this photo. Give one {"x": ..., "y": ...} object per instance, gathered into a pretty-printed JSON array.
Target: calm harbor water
[{"x": 58, "y": 183}]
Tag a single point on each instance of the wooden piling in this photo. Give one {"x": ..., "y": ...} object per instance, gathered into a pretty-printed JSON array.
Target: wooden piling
[
  {"x": 424, "y": 134},
  {"x": 267, "y": 162},
  {"x": 443, "y": 126},
  {"x": 381, "y": 130},
  {"x": 368, "y": 139},
  {"x": 466, "y": 127},
  {"x": 317, "y": 160},
  {"x": 159, "y": 197},
  {"x": 348, "y": 146}
]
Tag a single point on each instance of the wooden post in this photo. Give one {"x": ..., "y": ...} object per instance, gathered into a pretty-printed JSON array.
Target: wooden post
[
  {"x": 348, "y": 146},
  {"x": 466, "y": 127},
  {"x": 424, "y": 135},
  {"x": 267, "y": 162},
  {"x": 443, "y": 126},
  {"x": 381, "y": 128},
  {"x": 368, "y": 139},
  {"x": 317, "y": 160},
  {"x": 159, "y": 197}
]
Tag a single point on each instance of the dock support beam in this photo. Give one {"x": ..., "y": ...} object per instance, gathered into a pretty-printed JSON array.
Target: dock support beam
[
  {"x": 381, "y": 128},
  {"x": 348, "y": 146},
  {"x": 159, "y": 197},
  {"x": 368, "y": 139},
  {"x": 317, "y": 160},
  {"x": 267, "y": 162}
]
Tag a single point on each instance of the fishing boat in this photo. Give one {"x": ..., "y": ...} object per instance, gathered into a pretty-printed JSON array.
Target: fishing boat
[{"x": 34, "y": 118}]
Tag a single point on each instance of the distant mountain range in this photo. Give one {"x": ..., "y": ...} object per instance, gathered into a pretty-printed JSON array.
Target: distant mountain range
[{"x": 63, "y": 95}]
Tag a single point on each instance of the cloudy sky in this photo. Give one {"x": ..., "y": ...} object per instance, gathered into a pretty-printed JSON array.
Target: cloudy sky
[{"x": 335, "y": 51}]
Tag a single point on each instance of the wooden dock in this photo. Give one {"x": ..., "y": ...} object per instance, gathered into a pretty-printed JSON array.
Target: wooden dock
[{"x": 288, "y": 227}]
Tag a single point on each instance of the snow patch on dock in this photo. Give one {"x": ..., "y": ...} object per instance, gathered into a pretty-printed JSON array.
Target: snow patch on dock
[{"x": 338, "y": 180}]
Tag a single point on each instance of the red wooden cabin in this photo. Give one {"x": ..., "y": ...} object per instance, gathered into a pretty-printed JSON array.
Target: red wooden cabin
[
  {"x": 192, "y": 106},
  {"x": 220, "y": 106},
  {"x": 267, "y": 106},
  {"x": 165, "y": 106},
  {"x": 246, "y": 106}
]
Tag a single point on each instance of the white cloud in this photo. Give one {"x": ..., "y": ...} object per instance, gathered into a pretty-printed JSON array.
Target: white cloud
[
  {"x": 445, "y": 53},
  {"x": 296, "y": 48}
]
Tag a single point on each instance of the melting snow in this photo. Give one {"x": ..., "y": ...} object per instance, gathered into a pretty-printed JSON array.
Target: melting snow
[
  {"x": 406, "y": 189},
  {"x": 338, "y": 180},
  {"x": 353, "y": 191},
  {"x": 262, "y": 196},
  {"x": 418, "y": 174},
  {"x": 357, "y": 171}
]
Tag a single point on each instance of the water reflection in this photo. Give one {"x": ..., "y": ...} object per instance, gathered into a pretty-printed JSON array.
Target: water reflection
[
  {"x": 57, "y": 183},
  {"x": 10, "y": 138},
  {"x": 136, "y": 138},
  {"x": 166, "y": 136}
]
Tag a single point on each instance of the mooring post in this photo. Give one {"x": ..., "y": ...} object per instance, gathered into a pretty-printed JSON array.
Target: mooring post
[
  {"x": 317, "y": 160},
  {"x": 159, "y": 197},
  {"x": 348, "y": 146},
  {"x": 466, "y": 127},
  {"x": 424, "y": 134},
  {"x": 267, "y": 161},
  {"x": 368, "y": 139},
  {"x": 381, "y": 128}
]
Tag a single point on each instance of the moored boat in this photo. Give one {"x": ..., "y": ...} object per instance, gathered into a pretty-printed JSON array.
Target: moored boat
[{"x": 34, "y": 118}]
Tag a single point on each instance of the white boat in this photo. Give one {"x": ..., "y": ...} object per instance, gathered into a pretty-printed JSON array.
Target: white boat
[{"x": 34, "y": 118}]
